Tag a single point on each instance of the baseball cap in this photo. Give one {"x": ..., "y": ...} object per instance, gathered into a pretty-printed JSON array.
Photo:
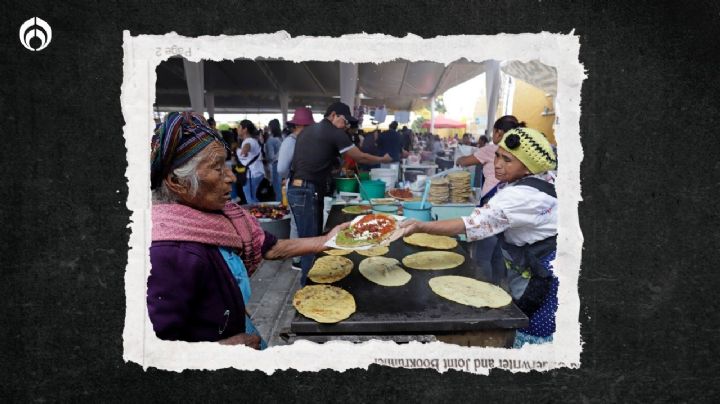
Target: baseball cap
[{"x": 340, "y": 109}]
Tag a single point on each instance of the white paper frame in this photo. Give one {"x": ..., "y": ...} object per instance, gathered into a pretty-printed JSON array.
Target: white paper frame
[{"x": 143, "y": 53}]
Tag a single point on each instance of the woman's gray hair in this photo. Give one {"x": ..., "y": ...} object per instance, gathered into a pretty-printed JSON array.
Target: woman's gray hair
[{"x": 186, "y": 174}]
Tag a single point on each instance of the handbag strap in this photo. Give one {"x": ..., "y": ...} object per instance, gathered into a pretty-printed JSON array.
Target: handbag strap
[{"x": 253, "y": 160}]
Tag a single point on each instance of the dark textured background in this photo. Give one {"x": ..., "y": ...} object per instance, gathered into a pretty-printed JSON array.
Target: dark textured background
[{"x": 649, "y": 128}]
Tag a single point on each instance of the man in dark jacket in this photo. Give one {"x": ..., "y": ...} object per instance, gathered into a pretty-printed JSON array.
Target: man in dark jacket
[
  {"x": 390, "y": 142},
  {"x": 316, "y": 150},
  {"x": 406, "y": 139}
]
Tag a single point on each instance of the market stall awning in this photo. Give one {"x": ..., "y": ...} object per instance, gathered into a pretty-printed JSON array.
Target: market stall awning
[
  {"x": 539, "y": 75},
  {"x": 256, "y": 86},
  {"x": 441, "y": 123}
]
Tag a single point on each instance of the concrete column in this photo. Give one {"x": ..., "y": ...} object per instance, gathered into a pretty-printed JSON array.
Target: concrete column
[
  {"x": 432, "y": 114},
  {"x": 195, "y": 78},
  {"x": 348, "y": 83},
  {"x": 284, "y": 101},
  {"x": 210, "y": 103},
  {"x": 492, "y": 92}
]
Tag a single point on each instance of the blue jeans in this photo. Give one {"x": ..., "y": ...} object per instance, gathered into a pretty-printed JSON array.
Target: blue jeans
[
  {"x": 276, "y": 183},
  {"x": 250, "y": 189},
  {"x": 234, "y": 191},
  {"x": 305, "y": 205}
]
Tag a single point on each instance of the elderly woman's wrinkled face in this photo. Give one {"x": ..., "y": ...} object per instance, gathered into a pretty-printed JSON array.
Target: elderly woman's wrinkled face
[
  {"x": 507, "y": 167},
  {"x": 214, "y": 181}
]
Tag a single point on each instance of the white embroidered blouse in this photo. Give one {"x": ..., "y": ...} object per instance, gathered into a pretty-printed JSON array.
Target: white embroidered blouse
[{"x": 525, "y": 214}]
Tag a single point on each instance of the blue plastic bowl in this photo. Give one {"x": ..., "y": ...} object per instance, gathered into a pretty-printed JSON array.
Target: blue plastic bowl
[
  {"x": 413, "y": 210},
  {"x": 387, "y": 209}
]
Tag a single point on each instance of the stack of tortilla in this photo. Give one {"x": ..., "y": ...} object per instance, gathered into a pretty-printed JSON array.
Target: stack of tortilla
[
  {"x": 439, "y": 191},
  {"x": 460, "y": 189}
]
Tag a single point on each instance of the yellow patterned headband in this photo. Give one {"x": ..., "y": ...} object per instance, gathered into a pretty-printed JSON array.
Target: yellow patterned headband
[{"x": 531, "y": 147}]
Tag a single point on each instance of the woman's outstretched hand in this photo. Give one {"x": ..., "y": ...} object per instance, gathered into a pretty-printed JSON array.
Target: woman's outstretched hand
[
  {"x": 410, "y": 226},
  {"x": 336, "y": 230}
]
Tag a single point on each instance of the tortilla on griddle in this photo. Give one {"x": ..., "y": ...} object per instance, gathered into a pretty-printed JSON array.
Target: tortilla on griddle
[
  {"x": 431, "y": 241},
  {"x": 384, "y": 271},
  {"x": 433, "y": 260},
  {"x": 382, "y": 201},
  {"x": 357, "y": 209},
  {"x": 324, "y": 303},
  {"x": 469, "y": 291},
  {"x": 374, "y": 252},
  {"x": 336, "y": 251},
  {"x": 329, "y": 269}
]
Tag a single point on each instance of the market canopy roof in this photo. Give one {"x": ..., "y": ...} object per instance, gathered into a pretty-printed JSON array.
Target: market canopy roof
[
  {"x": 256, "y": 86},
  {"x": 539, "y": 75},
  {"x": 441, "y": 122}
]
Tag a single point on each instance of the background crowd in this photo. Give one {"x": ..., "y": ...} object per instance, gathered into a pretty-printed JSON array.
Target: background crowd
[{"x": 261, "y": 157}]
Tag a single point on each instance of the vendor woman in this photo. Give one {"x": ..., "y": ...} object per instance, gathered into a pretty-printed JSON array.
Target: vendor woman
[
  {"x": 523, "y": 213},
  {"x": 204, "y": 247}
]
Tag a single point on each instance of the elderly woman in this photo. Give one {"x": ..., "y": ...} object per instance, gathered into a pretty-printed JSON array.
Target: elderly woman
[
  {"x": 204, "y": 247},
  {"x": 523, "y": 214}
]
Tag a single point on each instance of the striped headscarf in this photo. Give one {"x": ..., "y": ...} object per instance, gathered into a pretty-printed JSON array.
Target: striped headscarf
[{"x": 177, "y": 139}]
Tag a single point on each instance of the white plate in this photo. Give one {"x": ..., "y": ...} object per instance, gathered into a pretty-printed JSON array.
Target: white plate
[{"x": 332, "y": 244}]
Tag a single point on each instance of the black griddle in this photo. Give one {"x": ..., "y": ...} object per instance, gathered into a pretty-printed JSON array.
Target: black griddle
[{"x": 413, "y": 307}]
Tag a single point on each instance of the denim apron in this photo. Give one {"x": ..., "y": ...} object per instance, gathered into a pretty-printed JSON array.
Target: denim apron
[{"x": 526, "y": 272}]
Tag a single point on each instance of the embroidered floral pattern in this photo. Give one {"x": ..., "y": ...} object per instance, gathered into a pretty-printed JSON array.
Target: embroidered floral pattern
[{"x": 485, "y": 222}]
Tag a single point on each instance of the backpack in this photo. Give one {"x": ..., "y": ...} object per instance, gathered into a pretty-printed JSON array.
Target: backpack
[
  {"x": 265, "y": 192},
  {"x": 241, "y": 170}
]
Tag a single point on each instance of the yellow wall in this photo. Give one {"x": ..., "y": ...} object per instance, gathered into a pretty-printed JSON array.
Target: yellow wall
[
  {"x": 528, "y": 105},
  {"x": 447, "y": 132},
  {"x": 450, "y": 132}
]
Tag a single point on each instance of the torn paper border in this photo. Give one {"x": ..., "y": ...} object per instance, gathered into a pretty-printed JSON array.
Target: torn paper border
[{"x": 143, "y": 53}]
